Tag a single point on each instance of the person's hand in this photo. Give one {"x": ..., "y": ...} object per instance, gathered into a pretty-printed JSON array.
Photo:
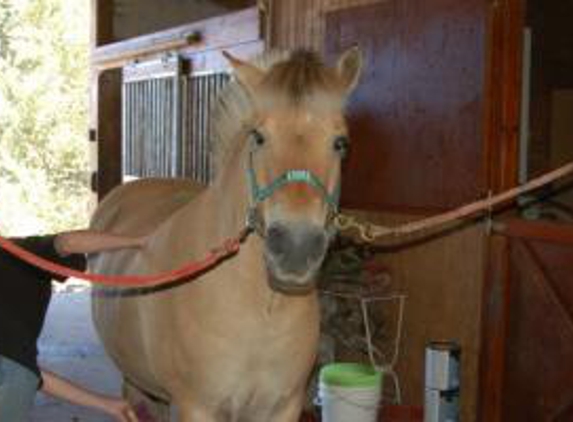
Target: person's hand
[
  {"x": 141, "y": 241},
  {"x": 121, "y": 410}
]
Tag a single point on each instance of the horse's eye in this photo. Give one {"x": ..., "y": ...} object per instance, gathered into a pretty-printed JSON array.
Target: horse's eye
[
  {"x": 341, "y": 144},
  {"x": 258, "y": 138}
]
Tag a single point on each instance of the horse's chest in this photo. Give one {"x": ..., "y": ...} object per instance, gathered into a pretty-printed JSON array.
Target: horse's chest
[
  {"x": 255, "y": 368},
  {"x": 271, "y": 359},
  {"x": 247, "y": 359},
  {"x": 262, "y": 384}
]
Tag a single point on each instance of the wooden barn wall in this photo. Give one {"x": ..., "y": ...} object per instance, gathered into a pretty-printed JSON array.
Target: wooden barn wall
[
  {"x": 417, "y": 135},
  {"x": 137, "y": 17},
  {"x": 442, "y": 277},
  {"x": 300, "y": 23}
]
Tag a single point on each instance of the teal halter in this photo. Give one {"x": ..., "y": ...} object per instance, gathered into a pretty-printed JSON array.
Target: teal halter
[{"x": 261, "y": 193}]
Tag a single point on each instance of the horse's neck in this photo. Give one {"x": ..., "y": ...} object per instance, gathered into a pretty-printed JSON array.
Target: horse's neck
[
  {"x": 230, "y": 198},
  {"x": 217, "y": 214}
]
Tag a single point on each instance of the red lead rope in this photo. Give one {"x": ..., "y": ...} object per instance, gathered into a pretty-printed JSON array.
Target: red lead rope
[{"x": 229, "y": 248}]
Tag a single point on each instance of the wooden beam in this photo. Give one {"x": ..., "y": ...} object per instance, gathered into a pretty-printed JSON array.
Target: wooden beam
[
  {"x": 215, "y": 33},
  {"x": 108, "y": 131},
  {"x": 102, "y": 22},
  {"x": 213, "y": 60},
  {"x": 536, "y": 230},
  {"x": 506, "y": 19},
  {"x": 101, "y": 33},
  {"x": 495, "y": 324}
]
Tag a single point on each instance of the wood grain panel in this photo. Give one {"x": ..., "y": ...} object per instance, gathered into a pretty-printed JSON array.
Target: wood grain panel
[
  {"x": 306, "y": 24},
  {"x": 502, "y": 91},
  {"x": 101, "y": 22},
  {"x": 527, "y": 374},
  {"x": 108, "y": 129},
  {"x": 539, "y": 372},
  {"x": 300, "y": 23},
  {"x": 297, "y": 24},
  {"x": 136, "y": 17},
  {"x": 496, "y": 297},
  {"x": 545, "y": 231},
  {"x": 332, "y": 5},
  {"x": 416, "y": 115}
]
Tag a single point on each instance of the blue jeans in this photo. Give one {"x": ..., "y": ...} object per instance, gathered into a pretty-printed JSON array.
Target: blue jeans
[{"x": 18, "y": 387}]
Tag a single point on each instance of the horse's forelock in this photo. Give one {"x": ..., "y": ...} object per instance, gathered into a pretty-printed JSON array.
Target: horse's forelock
[{"x": 300, "y": 78}]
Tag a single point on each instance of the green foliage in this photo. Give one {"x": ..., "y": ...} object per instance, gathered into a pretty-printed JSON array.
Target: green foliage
[{"x": 43, "y": 115}]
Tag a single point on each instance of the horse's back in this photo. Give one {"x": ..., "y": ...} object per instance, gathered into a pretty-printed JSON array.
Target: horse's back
[{"x": 138, "y": 207}]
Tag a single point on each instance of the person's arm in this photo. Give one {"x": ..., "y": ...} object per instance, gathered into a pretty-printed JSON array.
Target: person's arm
[
  {"x": 91, "y": 241},
  {"x": 63, "y": 389}
]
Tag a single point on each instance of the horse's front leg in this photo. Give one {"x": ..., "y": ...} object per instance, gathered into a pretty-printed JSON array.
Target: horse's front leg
[
  {"x": 190, "y": 411},
  {"x": 291, "y": 411}
]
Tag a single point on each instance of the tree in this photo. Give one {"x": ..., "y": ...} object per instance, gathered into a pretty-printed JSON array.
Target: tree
[{"x": 43, "y": 115}]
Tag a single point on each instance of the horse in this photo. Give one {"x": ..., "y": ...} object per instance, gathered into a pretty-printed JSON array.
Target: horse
[{"x": 238, "y": 342}]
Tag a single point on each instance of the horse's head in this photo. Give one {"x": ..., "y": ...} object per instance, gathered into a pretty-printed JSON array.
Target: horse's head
[{"x": 297, "y": 139}]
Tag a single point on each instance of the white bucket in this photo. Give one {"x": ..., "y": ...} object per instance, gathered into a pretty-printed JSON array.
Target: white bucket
[{"x": 350, "y": 403}]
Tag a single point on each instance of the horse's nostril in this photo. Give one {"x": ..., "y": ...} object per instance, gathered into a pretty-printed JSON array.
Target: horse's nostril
[
  {"x": 295, "y": 249},
  {"x": 277, "y": 239},
  {"x": 316, "y": 245}
]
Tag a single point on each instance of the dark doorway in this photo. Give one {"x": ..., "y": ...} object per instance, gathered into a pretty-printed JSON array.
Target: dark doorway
[{"x": 547, "y": 100}]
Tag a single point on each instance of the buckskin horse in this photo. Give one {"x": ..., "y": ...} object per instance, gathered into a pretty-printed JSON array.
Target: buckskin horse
[{"x": 238, "y": 343}]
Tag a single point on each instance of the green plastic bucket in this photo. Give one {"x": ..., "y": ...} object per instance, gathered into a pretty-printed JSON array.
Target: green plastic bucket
[{"x": 349, "y": 392}]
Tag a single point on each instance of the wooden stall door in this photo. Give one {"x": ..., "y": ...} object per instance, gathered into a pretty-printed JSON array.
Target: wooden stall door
[
  {"x": 535, "y": 379},
  {"x": 416, "y": 117},
  {"x": 539, "y": 372}
]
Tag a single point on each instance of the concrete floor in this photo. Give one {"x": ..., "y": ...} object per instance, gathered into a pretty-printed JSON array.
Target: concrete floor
[{"x": 70, "y": 347}]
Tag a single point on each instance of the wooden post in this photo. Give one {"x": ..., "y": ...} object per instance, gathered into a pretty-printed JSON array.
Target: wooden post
[
  {"x": 102, "y": 22},
  {"x": 495, "y": 320},
  {"x": 506, "y": 19},
  {"x": 108, "y": 131},
  {"x": 105, "y": 106}
]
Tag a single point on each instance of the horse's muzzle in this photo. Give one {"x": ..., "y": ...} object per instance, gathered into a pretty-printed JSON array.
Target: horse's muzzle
[{"x": 294, "y": 253}]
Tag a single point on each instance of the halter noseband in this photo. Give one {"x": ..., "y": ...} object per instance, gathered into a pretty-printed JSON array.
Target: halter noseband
[{"x": 261, "y": 193}]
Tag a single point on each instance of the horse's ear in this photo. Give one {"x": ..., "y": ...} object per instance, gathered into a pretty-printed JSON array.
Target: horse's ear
[
  {"x": 247, "y": 74},
  {"x": 349, "y": 68}
]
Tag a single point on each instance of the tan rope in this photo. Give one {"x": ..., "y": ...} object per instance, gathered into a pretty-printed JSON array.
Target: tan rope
[{"x": 369, "y": 232}]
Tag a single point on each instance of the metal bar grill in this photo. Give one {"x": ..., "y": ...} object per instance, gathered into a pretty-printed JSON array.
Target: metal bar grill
[
  {"x": 202, "y": 90},
  {"x": 166, "y": 120},
  {"x": 150, "y": 117}
]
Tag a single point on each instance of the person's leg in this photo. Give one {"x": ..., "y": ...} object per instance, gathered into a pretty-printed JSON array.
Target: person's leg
[{"x": 18, "y": 387}]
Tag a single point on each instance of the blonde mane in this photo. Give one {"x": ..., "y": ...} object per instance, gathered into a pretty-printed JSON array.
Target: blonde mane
[{"x": 299, "y": 78}]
